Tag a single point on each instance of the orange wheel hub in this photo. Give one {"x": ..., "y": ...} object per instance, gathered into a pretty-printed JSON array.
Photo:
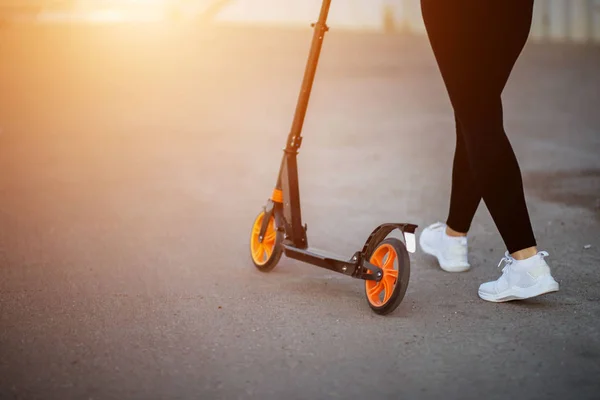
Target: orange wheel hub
[
  {"x": 379, "y": 293},
  {"x": 262, "y": 251}
]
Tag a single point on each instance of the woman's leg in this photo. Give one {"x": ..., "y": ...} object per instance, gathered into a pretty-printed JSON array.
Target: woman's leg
[
  {"x": 448, "y": 242},
  {"x": 465, "y": 196},
  {"x": 476, "y": 44}
]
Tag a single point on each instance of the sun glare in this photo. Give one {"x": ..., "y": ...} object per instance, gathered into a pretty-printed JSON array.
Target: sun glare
[{"x": 111, "y": 11}]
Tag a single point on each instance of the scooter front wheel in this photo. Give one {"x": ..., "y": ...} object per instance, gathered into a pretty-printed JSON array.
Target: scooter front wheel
[
  {"x": 392, "y": 257},
  {"x": 266, "y": 254}
]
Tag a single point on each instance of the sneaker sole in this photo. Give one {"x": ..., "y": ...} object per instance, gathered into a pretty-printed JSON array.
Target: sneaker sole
[
  {"x": 441, "y": 261},
  {"x": 517, "y": 293}
]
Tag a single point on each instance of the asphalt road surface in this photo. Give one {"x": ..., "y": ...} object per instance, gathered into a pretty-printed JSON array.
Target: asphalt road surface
[{"x": 134, "y": 160}]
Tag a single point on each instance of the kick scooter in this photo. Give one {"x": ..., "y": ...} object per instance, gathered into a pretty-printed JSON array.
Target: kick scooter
[{"x": 383, "y": 263}]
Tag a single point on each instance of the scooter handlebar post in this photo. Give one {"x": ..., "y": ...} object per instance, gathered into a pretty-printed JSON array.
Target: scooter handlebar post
[{"x": 320, "y": 27}]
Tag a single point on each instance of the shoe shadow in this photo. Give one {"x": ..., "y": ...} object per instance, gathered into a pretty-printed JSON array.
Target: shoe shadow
[
  {"x": 544, "y": 302},
  {"x": 535, "y": 304}
]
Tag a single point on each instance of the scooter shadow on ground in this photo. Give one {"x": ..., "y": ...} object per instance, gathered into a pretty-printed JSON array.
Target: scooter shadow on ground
[{"x": 290, "y": 277}]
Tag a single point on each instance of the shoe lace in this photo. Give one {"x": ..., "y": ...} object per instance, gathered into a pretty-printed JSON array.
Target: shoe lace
[{"x": 508, "y": 260}]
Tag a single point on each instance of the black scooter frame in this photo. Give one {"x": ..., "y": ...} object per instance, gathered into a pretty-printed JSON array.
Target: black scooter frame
[{"x": 284, "y": 205}]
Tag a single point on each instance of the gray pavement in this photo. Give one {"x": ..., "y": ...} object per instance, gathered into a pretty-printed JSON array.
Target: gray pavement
[{"x": 133, "y": 161}]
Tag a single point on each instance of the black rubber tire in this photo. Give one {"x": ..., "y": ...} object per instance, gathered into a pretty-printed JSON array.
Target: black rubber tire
[
  {"x": 272, "y": 261},
  {"x": 403, "y": 277}
]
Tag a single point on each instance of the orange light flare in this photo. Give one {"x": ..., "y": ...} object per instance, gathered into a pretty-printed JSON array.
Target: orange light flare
[
  {"x": 132, "y": 10},
  {"x": 118, "y": 11}
]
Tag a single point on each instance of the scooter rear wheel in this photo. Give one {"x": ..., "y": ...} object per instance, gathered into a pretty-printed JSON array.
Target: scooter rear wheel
[
  {"x": 392, "y": 257},
  {"x": 266, "y": 254}
]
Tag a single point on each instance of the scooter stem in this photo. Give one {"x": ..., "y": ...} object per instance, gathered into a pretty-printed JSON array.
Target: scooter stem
[
  {"x": 286, "y": 196},
  {"x": 295, "y": 139}
]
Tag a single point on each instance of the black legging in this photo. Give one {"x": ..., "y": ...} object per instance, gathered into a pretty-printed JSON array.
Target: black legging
[{"x": 476, "y": 44}]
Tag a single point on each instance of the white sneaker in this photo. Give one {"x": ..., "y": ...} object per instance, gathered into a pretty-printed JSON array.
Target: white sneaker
[
  {"x": 521, "y": 279},
  {"x": 451, "y": 252}
]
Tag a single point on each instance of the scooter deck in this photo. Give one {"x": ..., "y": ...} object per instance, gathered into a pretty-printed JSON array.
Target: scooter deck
[
  {"x": 355, "y": 267},
  {"x": 318, "y": 253}
]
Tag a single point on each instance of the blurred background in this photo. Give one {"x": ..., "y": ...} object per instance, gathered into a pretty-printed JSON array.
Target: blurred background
[
  {"x": 555, "y": 20},
  {"x": 139, "y": 140}
]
